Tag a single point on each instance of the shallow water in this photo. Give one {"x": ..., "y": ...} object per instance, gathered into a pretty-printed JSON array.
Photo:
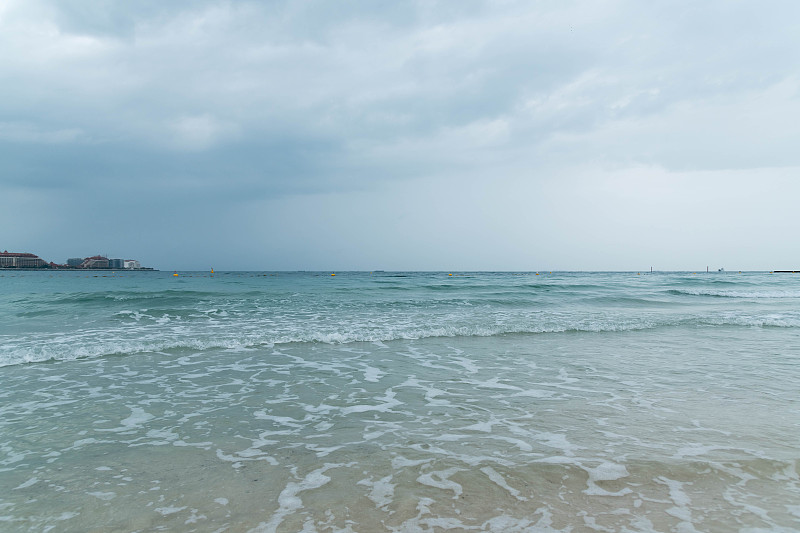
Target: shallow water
[{"x": 488, "y": 402}]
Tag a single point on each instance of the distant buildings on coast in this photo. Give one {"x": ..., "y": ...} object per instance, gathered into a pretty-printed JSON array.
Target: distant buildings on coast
[
  {"x": 16, "y": 260},
  {"x": 97, "y": 262}
]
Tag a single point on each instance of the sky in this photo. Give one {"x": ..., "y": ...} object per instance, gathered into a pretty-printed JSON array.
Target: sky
[{"x": 363, "y": 135}]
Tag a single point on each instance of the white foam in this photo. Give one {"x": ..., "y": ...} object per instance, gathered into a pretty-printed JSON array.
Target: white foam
[
  {"x": 562, "y": 373},
  {"x": 450, "y": 437},
  {"x": 84, "y": 442},
  {"x": 32, "y": 481},
  {"x": 161, "y": 334},
  {"x": 740, "y": 293},
  {"x": 432, "y": 395},
  {"x": 164, "y": 511},
  {"x": 695, "y": 449},
  {"x": 386, "y": 406},
  {"x": 440, "y": 480},
  {"x": 682, "y": 509},
  {"x": 493, "y": 475},
  {"x": 194, "y": 517},
  {"x": 323, "y": 451},
  {"x": 418, "y": 523},
  {"x": 202, "y": 445},
  {"x": 373, "y": 374},
  {"x": 281, "y": 420},
  {"x": 323, "y": 426},
  {"x": 535, "y": 393},
  {"x": 138, "y": 417},
  {"x": 557, "y": 440},
  {"x": 105, "y": 496},
  {"x": 606, "y": 471},
  {"x": 381, "y": 491},
  {"x": 166, "y": 436},
  {"x": 401, "y": 462},
  {"x": 484, "y": 427},
  {"x": 249, "y": 454},
  {"x": 466, "y": 364},
  {"x": 509, "y": 524},
  {"x": 494, "y": 383},
  {"x": 289, "y": 501},
  {"x": 519, "y": 443}
]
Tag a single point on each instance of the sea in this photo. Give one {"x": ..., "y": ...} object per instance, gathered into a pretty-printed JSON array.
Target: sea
[{"x": 399, "y": 401}]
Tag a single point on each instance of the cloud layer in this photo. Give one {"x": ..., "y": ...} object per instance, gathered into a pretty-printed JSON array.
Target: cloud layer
[{"x": 304, "y": 134}]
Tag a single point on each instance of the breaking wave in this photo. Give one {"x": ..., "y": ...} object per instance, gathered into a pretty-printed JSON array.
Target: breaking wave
[
  {"x": 71, "y": 318},
  {"x": 733, "y": 293},
  {"x": 92, "y": 343}
]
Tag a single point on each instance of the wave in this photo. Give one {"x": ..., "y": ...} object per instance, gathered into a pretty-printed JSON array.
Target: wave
[
  {"x": 133, "y": 296},
  {"x": 736, "y": 293},
  {"x": 102, "y": 342},
  {"x": 629, "y": 301},
  {"x": 56, "y": 323}
]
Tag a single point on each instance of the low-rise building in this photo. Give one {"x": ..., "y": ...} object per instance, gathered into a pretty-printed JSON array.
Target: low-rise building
[
  {"x": 98, "y": 261},
  {"x": 132, "y": 263},
  {"x": 20, "y": 260}
]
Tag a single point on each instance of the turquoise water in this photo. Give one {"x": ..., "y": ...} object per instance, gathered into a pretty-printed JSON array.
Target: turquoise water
[{"x": 255, "y": 401}]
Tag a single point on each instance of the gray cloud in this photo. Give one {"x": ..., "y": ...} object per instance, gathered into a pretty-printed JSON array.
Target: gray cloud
[{"x": 175, "y": 109}]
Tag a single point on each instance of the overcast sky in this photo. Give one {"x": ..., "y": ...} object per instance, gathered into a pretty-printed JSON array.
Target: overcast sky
[{"x": 361, "y": 135}]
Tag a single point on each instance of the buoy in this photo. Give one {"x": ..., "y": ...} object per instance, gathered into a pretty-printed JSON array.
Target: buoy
[
  {"x": 333, "y": 274},
  {"x": 176, "y": 274},
  {"x": 449, "y": 274}
]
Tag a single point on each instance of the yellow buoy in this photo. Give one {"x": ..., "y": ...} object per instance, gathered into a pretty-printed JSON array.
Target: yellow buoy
[
  {"x": 449, "y": 274},
  {"x": 333, "y": 274}
]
